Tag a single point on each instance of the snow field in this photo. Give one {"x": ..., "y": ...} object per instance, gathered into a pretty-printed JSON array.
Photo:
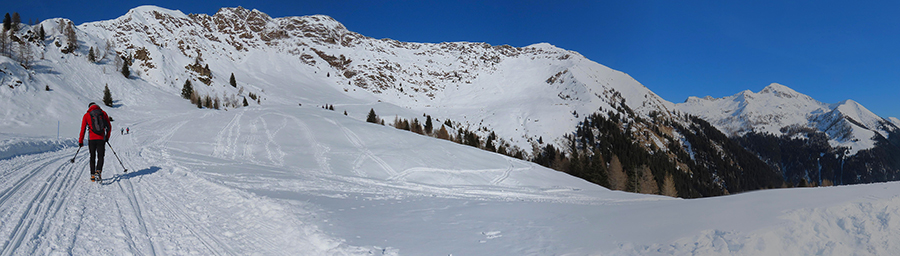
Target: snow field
[{"x": 302, "y": 180}]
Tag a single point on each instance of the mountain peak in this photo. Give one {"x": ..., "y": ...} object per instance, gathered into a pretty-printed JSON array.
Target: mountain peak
[
  {"x": 152, "y": 9},
  {"x": 780, "y": 91}
]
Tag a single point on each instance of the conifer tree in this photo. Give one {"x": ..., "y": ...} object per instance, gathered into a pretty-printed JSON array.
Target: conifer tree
[
  {"x": 107, "y": 97},
  {"x": 245, "y": 102},
  {"x": 648, "y": 183},
  {"x": 618, "y": 180},
  {"x": 428, "y": 126},
  {"x": 91, "y": 56},
  {"x": 443, "y": 134},
  {"x": 669, "y": 186},
  {"x": 415, "y": 127},
  {"x": 125, "y": 71},
  {"x": 42, "y": 33},
  {"x": 188, "y": 90},
  {"x": 372, "y": 118},
  {"x": 7, "y": 22},
  {"x": 16, "y": 19},
  {"x": 232, "y": 81}
]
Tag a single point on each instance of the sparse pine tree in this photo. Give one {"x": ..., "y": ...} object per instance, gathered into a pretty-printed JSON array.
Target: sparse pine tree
[
  {"x": 187, "y": 90},
  {"x": 245, "y": 102},
  {"x": 16, "y": 19},
  {"x": 125, "y": 71},
  {"x": 372, "y": 117},
  {"x": 7, "y": 22},
  {"x": 42, "y": 33},
  {"x": 232, "y": 81},
  {"x": 415, "y": 126},
  {"x": 91, "y": 56},
  {"x": 216, "y": 103},
  {"x": 428, "y": 126},
  {"x": 107, "y": 97}
]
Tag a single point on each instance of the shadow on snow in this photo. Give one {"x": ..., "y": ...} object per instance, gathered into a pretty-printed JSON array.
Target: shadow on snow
[{"x": 118, "y": 177}]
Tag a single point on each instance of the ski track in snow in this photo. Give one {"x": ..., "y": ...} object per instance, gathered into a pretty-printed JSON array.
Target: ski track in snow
[{"x": 358, "y": 144}]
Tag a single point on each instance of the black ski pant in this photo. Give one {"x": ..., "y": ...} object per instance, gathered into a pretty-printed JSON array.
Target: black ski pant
[{"x": 97, "y": 149}]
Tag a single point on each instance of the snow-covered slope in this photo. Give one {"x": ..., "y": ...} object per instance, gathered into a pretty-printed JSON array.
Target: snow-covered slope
[
  {"x": 286, "y": 180},
  {"x": 780, "y": 110},
  {"x": 517, "y": 92}
]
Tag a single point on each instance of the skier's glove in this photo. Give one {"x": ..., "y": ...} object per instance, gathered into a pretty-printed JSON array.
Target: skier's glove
[{"x": 80, "y": 144}]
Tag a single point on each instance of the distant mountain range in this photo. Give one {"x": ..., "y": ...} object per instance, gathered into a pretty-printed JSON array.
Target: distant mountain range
[{"x": 539, "y": 102}]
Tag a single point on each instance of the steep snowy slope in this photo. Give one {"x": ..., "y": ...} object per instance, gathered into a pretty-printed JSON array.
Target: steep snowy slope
[{"x": 779, "y": 110}]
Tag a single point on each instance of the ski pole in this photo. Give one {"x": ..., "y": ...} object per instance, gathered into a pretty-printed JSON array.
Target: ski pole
[
  {"x": 117, "y": 156},
  {"x": 76, "y": 154}
]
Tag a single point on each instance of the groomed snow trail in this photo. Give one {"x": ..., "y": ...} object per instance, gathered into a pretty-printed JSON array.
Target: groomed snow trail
[{"x": 49, "y": 207}]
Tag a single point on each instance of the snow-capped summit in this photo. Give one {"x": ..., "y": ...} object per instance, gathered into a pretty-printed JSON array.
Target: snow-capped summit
[{"x": 776, "y": 108}]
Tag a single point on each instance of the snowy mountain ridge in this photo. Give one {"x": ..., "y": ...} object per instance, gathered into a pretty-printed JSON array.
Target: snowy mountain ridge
[
  {"x": 459, "y": 81},
  {"x": 780, "y": 110}
]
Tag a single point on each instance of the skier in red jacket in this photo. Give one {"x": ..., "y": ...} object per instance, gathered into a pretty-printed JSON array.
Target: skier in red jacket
[{"x": 97, "y": 123}]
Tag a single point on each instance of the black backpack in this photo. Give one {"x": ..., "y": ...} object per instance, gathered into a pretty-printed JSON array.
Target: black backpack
[{"x": 98, "y": 123}]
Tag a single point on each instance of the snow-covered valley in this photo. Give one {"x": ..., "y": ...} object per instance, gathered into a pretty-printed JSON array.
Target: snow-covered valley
[
  {"x": 307, "y": 181},
  {"x": 283, "y": 176}
]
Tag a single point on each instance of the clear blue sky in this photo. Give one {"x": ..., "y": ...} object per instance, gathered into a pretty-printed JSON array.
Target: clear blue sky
[{"x": 829, "y": 50}]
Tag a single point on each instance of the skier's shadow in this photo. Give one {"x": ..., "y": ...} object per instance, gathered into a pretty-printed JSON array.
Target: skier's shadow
[{"x": 146, "y": 171}]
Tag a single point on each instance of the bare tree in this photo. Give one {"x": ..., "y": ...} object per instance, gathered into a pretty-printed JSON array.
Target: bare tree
[
  {"x": 648, "y": 183},
  {"x": 25, "y": 54},
  {"x": 669, "y": 186},
  {"x": 67, "y": 28},
  {"x": 4, "y": 43}
]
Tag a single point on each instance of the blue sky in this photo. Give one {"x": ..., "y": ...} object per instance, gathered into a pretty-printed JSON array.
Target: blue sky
[{"x": 829, "y": 50}]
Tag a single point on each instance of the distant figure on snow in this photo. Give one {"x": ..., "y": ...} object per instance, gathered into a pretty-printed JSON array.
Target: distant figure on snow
[
  {"x": 127, "y": 130},
  {"x": 100, "y": 129},
  {"x": 122, "y": 131}
]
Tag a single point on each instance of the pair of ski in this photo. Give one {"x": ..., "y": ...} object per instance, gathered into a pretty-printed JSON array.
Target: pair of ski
[{"x": 98, "y": 178}]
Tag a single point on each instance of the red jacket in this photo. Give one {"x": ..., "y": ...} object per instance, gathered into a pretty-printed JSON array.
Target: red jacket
[{"x": 86, "y": 121}]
